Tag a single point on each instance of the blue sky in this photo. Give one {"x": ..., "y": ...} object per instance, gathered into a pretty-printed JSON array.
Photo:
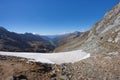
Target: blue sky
[{"x": 52, "y": 16}]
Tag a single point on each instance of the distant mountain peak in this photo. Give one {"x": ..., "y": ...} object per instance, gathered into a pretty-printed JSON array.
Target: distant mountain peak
[{"x": 3, "y": 29}]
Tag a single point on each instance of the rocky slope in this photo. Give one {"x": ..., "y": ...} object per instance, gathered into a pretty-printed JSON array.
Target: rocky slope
[
  {"x": 104, "y": 35},
  {"x": 16, "y": 68},
  {"x": 10, "y": 41}
]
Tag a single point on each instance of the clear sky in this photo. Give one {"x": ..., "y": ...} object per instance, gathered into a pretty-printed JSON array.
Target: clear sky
[{"x": 52, "y": 16}]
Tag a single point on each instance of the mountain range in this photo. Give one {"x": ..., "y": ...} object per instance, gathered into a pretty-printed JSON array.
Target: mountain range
[
  {"x": 28, "y": 42},
  {"x": 102, "y": 42},
  {"x": 10, "y": 41}
]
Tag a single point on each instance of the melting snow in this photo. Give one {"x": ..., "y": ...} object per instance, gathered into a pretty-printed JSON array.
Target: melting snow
[{"x": 53, "y": 58}]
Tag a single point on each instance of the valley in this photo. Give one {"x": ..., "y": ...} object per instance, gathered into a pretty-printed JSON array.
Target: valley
[{"x": 90, "y": 55}]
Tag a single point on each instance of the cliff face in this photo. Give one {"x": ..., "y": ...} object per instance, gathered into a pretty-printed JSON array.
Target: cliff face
[{"x": 104, "y": 35}]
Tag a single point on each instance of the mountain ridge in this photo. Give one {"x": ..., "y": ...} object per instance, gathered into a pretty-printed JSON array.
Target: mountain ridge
[
  {"x": 98, "y": 37},
  {"x": 28, "y": 42},
  {"x": 11, "y": 41}
]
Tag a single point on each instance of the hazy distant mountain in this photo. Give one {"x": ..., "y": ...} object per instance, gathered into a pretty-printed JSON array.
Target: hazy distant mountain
[
  {"x": 58, "y": 40},
  {"x": 10, "y": 41},
  {"x": 65, "y": 38}
]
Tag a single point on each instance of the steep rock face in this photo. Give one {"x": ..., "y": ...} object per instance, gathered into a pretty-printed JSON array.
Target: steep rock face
[{"x": 104, "y": 35}]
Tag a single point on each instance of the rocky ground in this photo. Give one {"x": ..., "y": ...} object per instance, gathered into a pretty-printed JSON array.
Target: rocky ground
[
  {"x": 97, "y": 67},
  {"x": 15, "y": 68}
]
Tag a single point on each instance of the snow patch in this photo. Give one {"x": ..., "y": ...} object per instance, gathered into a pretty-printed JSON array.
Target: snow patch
[{"x": 52, "y": 58}]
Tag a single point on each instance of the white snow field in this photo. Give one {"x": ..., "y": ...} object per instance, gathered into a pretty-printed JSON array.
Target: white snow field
[{"x": 52, "y": 58}]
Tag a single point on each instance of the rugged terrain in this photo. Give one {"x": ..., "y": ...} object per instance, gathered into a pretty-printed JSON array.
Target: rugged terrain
[
  {"x": 10, "y": 41},
  {"x": 16, "y": 68},
  {"x": 104, "y": 35},
  {"x": 102, "y": 41},
  {"x": 28, "y": 42},
  {"x": 99, "y": 67}
]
